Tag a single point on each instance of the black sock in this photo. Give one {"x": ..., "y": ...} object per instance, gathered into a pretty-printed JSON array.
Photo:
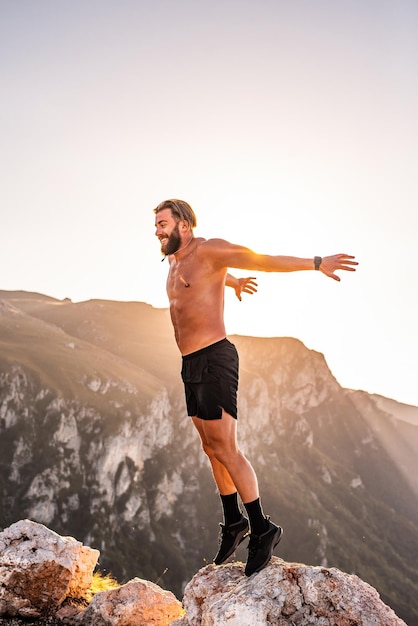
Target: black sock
[
  {"x": 258, "y": 522},
  {"x": 231, "y": 509}
]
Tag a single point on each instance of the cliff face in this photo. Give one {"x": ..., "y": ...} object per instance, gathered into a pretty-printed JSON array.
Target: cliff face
[{"x": 94, "y": 442}]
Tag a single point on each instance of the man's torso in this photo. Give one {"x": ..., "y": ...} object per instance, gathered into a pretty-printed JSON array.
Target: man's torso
[{"x": 196, "y": 293}]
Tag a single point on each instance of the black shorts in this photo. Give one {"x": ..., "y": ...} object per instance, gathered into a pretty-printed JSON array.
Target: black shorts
[{"x": 210, "y": 378}]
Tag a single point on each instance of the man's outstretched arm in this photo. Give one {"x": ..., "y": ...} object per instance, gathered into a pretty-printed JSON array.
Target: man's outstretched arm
[
  {"x": 246, "y": 285},
  {"x": 226, "y": 254}
]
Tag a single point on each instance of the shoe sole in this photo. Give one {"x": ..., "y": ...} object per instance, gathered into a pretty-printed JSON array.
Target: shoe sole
[
  {"x": 274, "y": 543},
  {"x": 238, "y": 539}
]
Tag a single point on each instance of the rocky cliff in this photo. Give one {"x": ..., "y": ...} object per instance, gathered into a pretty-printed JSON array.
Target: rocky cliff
[{"x": 94, "y": 442}]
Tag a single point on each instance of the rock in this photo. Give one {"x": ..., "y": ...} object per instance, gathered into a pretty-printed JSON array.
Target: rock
[
  {"x": 39, "y": 569},
  {"x": 68, "y": 612},
  {"x": 283, "y": 594},
  {"x": 136, "y": 603}
]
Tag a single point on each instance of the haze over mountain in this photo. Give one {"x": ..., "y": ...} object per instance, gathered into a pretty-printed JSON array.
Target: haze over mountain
[{"x": 95, "y": 442}]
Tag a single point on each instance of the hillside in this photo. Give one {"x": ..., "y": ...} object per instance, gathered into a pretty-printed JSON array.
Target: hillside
[
  {"x": 94, "y": 442},
  {"x": 396, "y": 426}
]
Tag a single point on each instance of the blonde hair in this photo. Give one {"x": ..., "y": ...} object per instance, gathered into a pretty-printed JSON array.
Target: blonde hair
[{"x": 179, "y": 209}]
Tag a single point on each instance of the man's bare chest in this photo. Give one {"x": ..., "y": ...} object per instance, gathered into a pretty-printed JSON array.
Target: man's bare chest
[{"x": 186, "y": 274}]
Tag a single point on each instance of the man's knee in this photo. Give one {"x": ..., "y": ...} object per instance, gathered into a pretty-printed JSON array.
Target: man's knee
[
  {"x": 207, "y": 449},
  {"x": 224, "y": 453},
  {"x": 217, "y": 452}
]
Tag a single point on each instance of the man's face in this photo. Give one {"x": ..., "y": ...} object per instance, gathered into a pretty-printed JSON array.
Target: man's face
[{"x": 167, "y": 231}]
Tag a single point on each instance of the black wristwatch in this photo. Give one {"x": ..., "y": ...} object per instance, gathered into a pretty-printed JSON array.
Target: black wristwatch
[{"x": 317, "y": 262}]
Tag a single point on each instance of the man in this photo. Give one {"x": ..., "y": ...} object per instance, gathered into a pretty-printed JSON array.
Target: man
[{"x": 195, "y": 285}]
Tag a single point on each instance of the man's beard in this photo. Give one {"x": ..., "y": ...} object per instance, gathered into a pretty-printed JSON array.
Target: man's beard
[{"x": 173, "y": 243}]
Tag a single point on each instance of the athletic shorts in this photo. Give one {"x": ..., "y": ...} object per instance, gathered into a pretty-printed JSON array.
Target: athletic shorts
[{"x": 210, "y": 378}]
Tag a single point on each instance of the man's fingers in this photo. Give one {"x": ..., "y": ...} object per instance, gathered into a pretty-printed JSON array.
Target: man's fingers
[
  {"x": 345, "y": 259},
  {"x": 338, "y": 262},
  {"x": 246, "y": 285}
]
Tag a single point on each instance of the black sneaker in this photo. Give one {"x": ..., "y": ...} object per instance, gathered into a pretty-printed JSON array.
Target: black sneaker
[
  {"x": 230, "y": 538},
  {"x": 260, "y": 548}
]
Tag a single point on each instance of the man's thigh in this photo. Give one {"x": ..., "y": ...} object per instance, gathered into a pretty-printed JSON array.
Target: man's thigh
[{"x": 218, "y": 433}]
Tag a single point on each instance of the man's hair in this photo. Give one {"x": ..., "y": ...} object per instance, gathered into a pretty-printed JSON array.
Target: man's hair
[{"x": 180, "y": 210}]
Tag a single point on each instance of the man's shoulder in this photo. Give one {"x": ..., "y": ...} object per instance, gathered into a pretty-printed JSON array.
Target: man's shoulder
[
  {"x": 216, "y": 252},
  {"x": 212, "y": 249},
  {"x": 214, "y": 243}
]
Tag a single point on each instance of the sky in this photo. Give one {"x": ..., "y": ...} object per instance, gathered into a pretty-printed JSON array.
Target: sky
[{"x": 290, "y": 126}]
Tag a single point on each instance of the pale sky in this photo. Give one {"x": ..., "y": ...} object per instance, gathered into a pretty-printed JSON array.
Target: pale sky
[{"x": 290, "y": 126}]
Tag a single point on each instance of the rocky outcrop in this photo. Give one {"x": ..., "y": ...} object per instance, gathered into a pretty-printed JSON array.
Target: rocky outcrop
[
  {"x": 39, "y": 569},
  {"x": 136, "y": 603},
  {"x": 283, "y": 594}
]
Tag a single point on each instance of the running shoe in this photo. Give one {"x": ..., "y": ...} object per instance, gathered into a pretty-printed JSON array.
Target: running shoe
[
  {"x": 260, "y": 548},
  {"x": 230, "y": 538}
]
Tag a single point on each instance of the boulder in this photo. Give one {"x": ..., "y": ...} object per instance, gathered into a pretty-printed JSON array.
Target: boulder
[
  {"x": 136, "y": 603},
  {"x": 282, "y": 594},
  {"x": 39, "y": 569}
]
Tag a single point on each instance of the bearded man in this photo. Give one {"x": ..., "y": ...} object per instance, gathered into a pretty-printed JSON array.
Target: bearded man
[{"x": 198, "y": 273}]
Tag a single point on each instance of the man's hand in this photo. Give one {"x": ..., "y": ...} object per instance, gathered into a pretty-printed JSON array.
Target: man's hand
[
  {"x": 330, "y": 264},
  {"x": 246, "y": 285}
]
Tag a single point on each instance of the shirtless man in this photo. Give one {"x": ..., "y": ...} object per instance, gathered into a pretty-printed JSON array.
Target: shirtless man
[{"x": 196, "y": 280}]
